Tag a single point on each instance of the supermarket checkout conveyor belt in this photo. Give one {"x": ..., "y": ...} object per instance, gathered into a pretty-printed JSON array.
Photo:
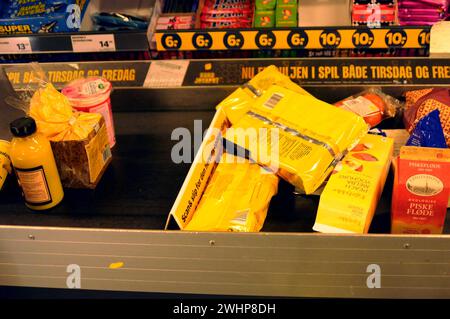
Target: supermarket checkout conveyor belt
[
  {"x": 140, "y": 186},
  {"x": 137, "y": 192}
]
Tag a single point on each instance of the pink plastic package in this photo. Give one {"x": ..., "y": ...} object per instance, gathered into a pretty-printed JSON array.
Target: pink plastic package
[{"x": 92, "y": 95}]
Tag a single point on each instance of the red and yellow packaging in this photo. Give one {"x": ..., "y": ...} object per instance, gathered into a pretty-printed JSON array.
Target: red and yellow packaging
[
  {"x": 421, "y": 190},
  {"x": 350, "y": 198}
]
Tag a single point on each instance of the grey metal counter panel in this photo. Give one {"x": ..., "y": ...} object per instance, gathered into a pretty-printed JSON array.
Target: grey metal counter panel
[{"x": 261, "y": 264}]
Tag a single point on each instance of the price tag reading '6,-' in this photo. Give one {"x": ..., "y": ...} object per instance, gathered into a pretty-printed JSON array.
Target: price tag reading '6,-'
[
  {"x": 93, "y": 43},
  {"x": 15, "y": 45}
]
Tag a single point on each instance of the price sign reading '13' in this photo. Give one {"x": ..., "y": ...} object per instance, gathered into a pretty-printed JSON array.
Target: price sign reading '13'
[
  {"x": 296, "y": 39},
  {"x": 16, "y": 45}
]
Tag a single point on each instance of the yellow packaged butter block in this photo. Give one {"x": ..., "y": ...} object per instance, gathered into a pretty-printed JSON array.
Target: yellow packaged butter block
[
  {"x": 298, "y": 136},
  {"x": 236, "y": 198},
  {"x": 350, "y": 198}
]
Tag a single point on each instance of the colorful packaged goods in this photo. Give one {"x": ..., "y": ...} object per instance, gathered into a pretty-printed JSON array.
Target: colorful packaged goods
[
  {"x": 79, "y": 140},
  {"x": 422, "y": 12},
  {"x": 263, "y": 5},
  {"x": 374, "y": 14},
  {"x": 286, "y": 15},
  {"x": 349, "y": 199},
  {"x": 236, "y": 198},
  {"x": 264, "y": 19},
  {"x": 420, "y": 103},
  {"x": 310, "y": 138},
  {"x": 421, "y": 190},
  {"x": 219, "y": 14},
  {"x": 371, "y": 104},
  {"x": 176, "y": 22},
  {"x": 35, "y": 16}
]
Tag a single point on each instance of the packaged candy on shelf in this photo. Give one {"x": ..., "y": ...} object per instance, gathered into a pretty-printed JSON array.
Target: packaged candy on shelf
[
  {"x": 264, "y": 19},
  {"x": 421, "y": 190},
  {"x": 286, "y": 15},
  {"x": 349, "y": 199},
  {"x": 374, "y": 15},
  {"x": 420, "y": 103},
  {"x": 218, "y": 14},
  {"x": 371, "y": 104},
  {"x": 176, "y": 22},
  {"x": 422, "y": 12},
  {"x": 262, "y": 5},
  {"x": 236, "y": 198}
]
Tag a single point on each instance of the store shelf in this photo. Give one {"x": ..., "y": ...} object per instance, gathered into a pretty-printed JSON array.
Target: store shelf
[
  {"x": 74, "y": 42},
  {"x": 295, "y": 38}
]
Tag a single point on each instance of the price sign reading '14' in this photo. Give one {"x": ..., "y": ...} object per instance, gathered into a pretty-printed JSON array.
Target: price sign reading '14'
[
  {"x": 93, "y": 43},
  {"x": 295, "y": 38},
  {"x": 15, "y": 45}
]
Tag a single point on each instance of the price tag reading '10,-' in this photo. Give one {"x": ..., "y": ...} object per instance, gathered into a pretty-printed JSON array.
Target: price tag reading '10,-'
[
  {"x": 15, "y": 45},
  {"x": 93, "y": 43}
]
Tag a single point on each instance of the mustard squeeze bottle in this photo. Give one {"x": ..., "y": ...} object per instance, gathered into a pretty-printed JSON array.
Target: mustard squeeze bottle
[{"x": 33, "y": 161}]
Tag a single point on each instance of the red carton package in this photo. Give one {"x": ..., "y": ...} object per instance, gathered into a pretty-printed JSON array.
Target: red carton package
[{"x": 421, "y": 190}]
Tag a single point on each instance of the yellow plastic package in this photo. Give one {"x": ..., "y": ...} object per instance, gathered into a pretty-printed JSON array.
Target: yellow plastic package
[
  {"x": 240, "y": 101},
  {"x": 79, "y": 140},
  {"x": 56, "y": 119},
  {"x": 296, "y": 135},
  {"x": 236, "y": 198},
  {"x": 350, "y": 198}
]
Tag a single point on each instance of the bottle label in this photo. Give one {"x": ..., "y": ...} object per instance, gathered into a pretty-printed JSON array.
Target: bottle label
[{"x": 34, "y": 185}]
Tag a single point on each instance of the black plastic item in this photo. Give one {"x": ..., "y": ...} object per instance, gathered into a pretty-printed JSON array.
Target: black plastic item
[
  {"x": 7, "y": 112},
  {"x": 112, "y": 21},
  {"x": 23, "y": 127}
]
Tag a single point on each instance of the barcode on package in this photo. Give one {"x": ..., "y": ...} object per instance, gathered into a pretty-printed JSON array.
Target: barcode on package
[
  {"x": 241, "y": 218},
  {"x": 107, "y": 153},
  {"x": 274, "y": 100},
  {"x": 353, "y": 102}
]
